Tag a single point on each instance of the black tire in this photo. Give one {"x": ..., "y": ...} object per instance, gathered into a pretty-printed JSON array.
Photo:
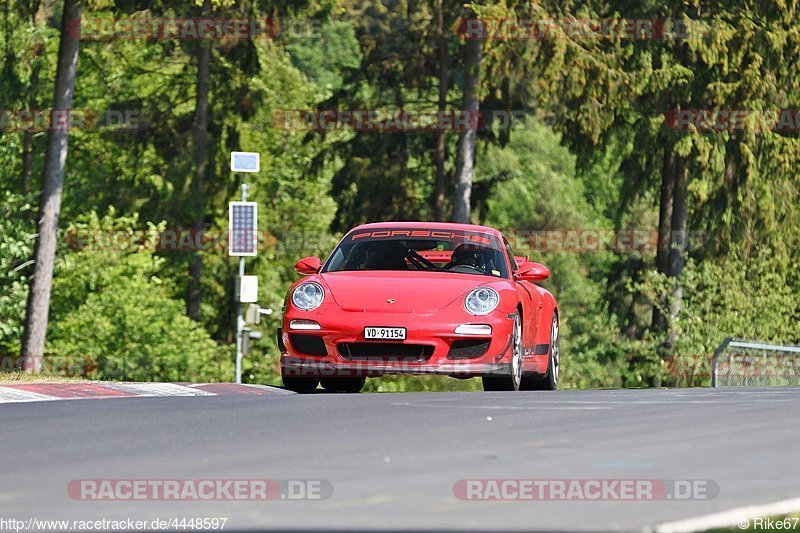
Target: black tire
[
  {"x": 351, "y": 385},
  {"x": 513, "y": 380},
  {"x": 300, "y": 384},
  {"x": 550, "y": 380}
]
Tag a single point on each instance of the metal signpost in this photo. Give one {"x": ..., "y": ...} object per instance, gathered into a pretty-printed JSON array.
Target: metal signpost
[{"x": 243, "y": 242}]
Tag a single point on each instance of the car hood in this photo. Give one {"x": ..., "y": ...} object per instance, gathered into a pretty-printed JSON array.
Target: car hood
[{"x": 393, "y": 292}]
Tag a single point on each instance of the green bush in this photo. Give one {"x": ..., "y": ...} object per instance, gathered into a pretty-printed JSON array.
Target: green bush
[
  {"x": 133, "y": 330},
  {"x": 114, "y": 318},
  {"x": 724, "y": 297},
  {"x": 16, "y": 246}
]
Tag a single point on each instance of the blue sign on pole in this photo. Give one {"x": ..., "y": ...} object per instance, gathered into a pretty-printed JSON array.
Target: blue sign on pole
[{"x": 245, "y": 162}]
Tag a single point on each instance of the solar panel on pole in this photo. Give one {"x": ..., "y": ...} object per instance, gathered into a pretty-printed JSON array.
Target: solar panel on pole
[{"x": 243, "y": 228}]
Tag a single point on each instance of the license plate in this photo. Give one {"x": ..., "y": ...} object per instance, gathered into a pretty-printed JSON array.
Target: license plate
[{"x": 384, "y": 333}]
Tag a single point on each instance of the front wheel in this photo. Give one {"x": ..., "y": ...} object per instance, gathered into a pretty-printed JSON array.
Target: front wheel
[{"x": 514, "y": 380}]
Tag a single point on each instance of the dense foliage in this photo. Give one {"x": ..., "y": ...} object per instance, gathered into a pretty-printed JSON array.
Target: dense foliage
[
  {"x": 16, "y": 246},
  {"x": 590, "y": 154}
]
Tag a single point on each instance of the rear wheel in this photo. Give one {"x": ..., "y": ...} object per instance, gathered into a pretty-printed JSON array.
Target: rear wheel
[
  {"x": 343, "y": 384},
  {"x": 514, "y": 380},
  {"x": 550, "y": 380}
]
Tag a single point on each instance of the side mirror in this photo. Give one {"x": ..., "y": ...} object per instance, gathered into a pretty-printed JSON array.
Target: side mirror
[
  {"x": 308, "y": 266},
  {"x": 531, "y": 271}
]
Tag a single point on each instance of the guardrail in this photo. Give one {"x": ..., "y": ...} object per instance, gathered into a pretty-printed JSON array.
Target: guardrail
[{"x": 741, "y": 362}]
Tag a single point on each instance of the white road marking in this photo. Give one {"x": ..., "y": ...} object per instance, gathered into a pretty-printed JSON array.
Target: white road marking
[
  {"x": 158, "y": 389},
  {"x": 730, "y": 518},
  {"x": 271, "y": 390},
  {"x": 76, "y": 390}
]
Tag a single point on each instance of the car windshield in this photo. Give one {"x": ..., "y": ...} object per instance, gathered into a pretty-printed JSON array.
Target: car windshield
[{"x": 464, "y": 252}]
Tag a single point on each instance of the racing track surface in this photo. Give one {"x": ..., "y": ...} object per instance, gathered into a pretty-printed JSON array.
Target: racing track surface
[{"x": 393, "y": 459}]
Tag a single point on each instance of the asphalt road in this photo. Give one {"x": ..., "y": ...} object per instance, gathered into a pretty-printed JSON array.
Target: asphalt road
[{"x": 393, "y": 459}]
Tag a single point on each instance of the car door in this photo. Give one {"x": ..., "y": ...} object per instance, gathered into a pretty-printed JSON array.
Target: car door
[{"x": 532, "y": 303}]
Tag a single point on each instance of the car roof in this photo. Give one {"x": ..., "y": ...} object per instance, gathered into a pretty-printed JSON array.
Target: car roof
[{"x": 451, "y": 226}]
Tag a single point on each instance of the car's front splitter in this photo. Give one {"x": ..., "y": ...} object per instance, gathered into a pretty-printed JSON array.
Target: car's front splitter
[{"x": 292, "y": 366}]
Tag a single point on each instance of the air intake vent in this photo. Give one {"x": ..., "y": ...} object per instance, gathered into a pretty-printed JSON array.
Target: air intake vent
[
  {"x": 307, "y": 344},
  {"x": 468, "y": 348}
]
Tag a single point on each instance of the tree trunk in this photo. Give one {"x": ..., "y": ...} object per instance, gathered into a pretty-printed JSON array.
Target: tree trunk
[
  {"x": 677, "y": 251},
  {"x": 35, "y": 331},
  {"x": 200, "y": 160},
  {"x": 440, "y": 156},
  {"x": 27, "y": 137},
  {"x": 664, "y": 229},
  {"x": 27, "y": 162},
  {"x": 465, "y": 158}
]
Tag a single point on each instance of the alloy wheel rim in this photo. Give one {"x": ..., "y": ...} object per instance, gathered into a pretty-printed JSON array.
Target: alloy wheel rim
[
  {"x": 554, "y": 350},
  {"x": 516, "y": 359}
]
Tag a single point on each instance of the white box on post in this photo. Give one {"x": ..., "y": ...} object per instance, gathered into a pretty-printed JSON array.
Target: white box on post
[{"x": 247, "y": 289}]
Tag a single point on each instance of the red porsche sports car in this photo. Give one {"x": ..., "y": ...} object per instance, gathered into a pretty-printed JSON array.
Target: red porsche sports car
[{"x": 420, "y": 298}]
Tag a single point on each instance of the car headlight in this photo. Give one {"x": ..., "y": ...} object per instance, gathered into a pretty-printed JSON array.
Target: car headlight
[
  {"x": 482, "y": 301},
  {"x": 308, "y": 296}
]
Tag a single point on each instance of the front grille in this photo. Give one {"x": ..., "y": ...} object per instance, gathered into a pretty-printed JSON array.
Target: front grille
[
  {"x": 468, "y": 348},
  {"x": 307, "y": 344},
  {"x": 385, "y": 350}
]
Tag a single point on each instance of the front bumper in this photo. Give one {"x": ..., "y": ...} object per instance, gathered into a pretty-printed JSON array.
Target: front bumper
[{"x": 434, "y": 333}]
